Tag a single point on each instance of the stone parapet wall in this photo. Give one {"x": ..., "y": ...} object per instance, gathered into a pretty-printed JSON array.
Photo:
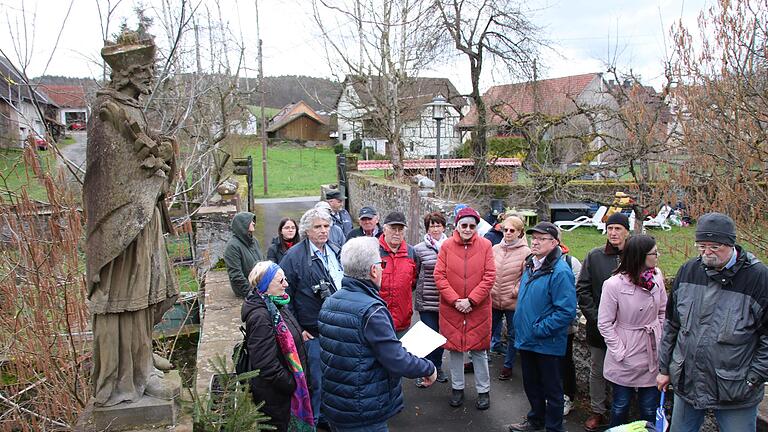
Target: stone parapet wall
[{"x": 211, "y": 234}]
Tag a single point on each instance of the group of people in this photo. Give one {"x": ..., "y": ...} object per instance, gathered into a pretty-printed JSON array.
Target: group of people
[{"x": 325, "y": 312}]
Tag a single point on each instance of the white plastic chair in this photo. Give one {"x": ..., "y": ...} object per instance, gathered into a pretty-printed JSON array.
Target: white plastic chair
[
  {"x": 594, "y": 221},
  {"x": 660, "y": 220}
]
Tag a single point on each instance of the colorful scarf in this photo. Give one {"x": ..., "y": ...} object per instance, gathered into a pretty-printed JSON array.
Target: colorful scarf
[
  {"x": 301, "y": 406},
  {"x": 428, "y": 239},
  {"x": 646, "y": 279}
]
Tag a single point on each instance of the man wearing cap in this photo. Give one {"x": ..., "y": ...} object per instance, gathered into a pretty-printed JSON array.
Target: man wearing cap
[
  {"x": 368, "y": 218},
  {"x": 546, "y": 305},
  {"x": 340, "y": 215},
  {"x": 596, "y": 268},
  {"x": 401, "y": 267},
  {"x": 714, "y": 349}
]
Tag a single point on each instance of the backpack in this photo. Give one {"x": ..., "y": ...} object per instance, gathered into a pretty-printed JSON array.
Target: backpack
[{"x": 240, "y": 354}]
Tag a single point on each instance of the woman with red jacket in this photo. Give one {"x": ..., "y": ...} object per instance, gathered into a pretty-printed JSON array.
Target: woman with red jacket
[{"x": 464, "y": 274}]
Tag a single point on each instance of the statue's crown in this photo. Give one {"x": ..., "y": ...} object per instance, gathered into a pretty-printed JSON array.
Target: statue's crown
[{"x": 129, "y": 49}]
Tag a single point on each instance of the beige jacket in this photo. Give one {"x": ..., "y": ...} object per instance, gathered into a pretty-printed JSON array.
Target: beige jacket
[{"x": 509, "y": 269}]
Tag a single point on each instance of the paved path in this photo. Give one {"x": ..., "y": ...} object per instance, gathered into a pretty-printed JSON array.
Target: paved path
[
  {"x": 270, "y": 211},
  {"x": 75, "y": 152}
]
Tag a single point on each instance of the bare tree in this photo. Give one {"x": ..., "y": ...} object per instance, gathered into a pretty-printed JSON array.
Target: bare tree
[
  {"x": 722, "y": 100},
  {"x": 381, "y": 45},
  {"x": 497, "y": 30}
]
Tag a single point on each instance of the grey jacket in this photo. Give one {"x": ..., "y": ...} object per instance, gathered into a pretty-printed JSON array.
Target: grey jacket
[
  {"x": 427, "y": 296},
  {"x": 715, "y": 338}
]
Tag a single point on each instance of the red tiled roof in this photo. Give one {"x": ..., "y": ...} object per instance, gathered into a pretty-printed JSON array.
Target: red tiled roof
[
  {"x": 65, "y": 96},
  {"x": 550, "y": 96}
]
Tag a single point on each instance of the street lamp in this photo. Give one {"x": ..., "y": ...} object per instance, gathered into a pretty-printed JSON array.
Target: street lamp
[{"x": 438, "y": 106}]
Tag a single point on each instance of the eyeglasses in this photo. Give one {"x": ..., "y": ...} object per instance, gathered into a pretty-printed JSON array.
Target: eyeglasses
[
  {"x": 511, "y": 230},
  {"x": 468, "y": 226},
  {"x": 702, "y": 248},
  {"x": 383, "y": 264},
  {"x": 657, "y": 253},
  {"x": 540, "y": 239}
]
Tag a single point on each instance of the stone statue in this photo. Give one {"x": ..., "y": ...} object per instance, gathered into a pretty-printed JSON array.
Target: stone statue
[{"x": 130, "y": 281}]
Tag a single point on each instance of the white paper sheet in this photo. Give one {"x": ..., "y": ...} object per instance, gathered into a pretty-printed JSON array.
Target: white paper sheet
[{"x": 421, "y": 340}]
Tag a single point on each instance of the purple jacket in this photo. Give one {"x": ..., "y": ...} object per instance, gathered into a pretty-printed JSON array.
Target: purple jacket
[{"x": 631, "y": 319}]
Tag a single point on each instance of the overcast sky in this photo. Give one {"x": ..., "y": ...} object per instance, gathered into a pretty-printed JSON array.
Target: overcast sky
[{"x": 585, "y": 34}]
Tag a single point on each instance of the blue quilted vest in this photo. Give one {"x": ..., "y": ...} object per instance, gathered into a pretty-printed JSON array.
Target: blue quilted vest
[{"x": 357, "y": 390}]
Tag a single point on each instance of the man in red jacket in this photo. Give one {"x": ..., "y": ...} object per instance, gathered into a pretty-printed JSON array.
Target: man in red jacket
[{"x": 401, "y": 268}]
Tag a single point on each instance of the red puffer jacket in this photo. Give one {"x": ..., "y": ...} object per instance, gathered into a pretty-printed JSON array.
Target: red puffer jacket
[
  {"x": 465, "y": 271},
  {"x": 398, "y": 281}
]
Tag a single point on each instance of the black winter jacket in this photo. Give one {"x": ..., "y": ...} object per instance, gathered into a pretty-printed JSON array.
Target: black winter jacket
[
  {"x": 596, "y": 268},
  {"x": 715, "y": 340},
  {"x": 276, "y": 251},
  {"x": 275, "y": 384}
]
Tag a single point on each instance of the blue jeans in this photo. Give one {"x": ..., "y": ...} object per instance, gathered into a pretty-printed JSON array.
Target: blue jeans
[
  {"x": 378, "y": 427},
  {"x": 686, "y": 418},
  {"x": 316, "y": 376},
  {"x": 496, "y": 314},
  {"x": 647, "y": 399},
  {"x": 544, "y": 389},
  {"x": 432, "y": 320}
]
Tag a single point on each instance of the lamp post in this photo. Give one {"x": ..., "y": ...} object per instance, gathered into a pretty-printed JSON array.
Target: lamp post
[{"x": 438, "y": 106}]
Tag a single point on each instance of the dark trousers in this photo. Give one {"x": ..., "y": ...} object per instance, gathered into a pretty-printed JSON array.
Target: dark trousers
[
  {"x": 432, "y": 320},
  {"x": 647, "y": 399},
  {"x": 569, "y": 370},
  {"x": 544, "y": 389}
]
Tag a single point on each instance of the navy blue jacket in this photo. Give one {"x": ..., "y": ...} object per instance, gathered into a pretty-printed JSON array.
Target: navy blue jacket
[
  {"x": 494, "y": 235},
  {"x": 546, "y": 306},
  {"x": 304, "y": 272},
  {"x": 362, "y": 360}
]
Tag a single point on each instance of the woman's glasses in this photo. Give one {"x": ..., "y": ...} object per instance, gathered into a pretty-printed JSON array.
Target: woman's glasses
[
  {"x": 468, "y": 226},
  {"x": 509, "y": 230}
]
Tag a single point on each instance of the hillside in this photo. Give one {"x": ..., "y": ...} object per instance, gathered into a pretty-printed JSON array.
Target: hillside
[{"x": 319, "y": 93}]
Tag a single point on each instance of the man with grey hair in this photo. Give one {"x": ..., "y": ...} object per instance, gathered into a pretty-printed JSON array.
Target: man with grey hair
[
  {"x": 363, "y": 361},
  {"x": 714, "y": 349},
  {"x": 335, "y": 235},
  {"x": 314, "y": 272}
]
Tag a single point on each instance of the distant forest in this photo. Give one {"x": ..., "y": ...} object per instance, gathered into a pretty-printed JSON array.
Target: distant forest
[{"x": 320, "y": 93}]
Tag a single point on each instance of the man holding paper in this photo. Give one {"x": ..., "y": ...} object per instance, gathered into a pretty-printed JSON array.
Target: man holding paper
[{"x": 362, "y": 359}]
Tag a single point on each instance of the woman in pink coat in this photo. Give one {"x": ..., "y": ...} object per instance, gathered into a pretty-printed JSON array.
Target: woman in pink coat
[{"x": 630, "y": 318}]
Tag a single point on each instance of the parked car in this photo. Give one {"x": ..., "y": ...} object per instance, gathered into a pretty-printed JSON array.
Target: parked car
[
  {"x": 41, "y": 144},
  {"x": 77, "y": 126}
]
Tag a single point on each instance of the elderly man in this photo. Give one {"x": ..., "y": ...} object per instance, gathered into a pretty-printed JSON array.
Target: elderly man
[
  {"x": 313, "y": 270},
  {"x": 368, "y": 218},
  {"x": 242, "y": 253},
  {"x": 363, "y": 361},
  {"x": 597, "y": 267},
  {"x": 546, "y": 305},
  {"x": 335, "y": 235},
  {"x": 340, "y": 215},
  {"x": 714, "y": 350},
  {"x": 402, "y": 266}
]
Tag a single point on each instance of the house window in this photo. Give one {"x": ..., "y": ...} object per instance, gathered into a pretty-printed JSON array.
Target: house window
[{"x": 343, "y": 137}]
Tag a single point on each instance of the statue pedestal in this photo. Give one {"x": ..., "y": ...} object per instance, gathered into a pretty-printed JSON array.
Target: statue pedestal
[{"x": 146, "y": 413}]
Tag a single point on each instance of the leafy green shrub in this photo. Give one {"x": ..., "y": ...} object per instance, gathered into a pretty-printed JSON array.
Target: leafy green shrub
[
  {"x": 356, "y": 145},
  {"x": 338, "y": 148}
]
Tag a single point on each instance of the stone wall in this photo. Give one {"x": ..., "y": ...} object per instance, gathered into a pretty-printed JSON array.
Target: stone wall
[{"x": 211, "y": 234}]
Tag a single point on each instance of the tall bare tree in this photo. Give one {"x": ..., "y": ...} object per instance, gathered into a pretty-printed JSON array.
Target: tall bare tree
[
  {"x": 496, "y": 30},
  {"x": 382, "y": 45},
  {"x": 722, "y": 100}
]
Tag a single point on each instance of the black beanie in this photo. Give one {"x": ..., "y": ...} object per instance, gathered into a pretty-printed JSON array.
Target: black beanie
[
  {"x": 716, "y": 227},
  {"x": 618, "y": 218}
]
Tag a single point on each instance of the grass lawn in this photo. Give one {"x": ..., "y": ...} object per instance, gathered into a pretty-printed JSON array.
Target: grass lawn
[
  {"x": 675, "y": 247},
  {"x": 292, "y": 170},
  {"x": 14, "y": 173}
]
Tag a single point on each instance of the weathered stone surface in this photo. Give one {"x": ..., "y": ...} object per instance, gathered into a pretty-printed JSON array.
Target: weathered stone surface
[
  {"x": 212, "y": 233},
  {"x": 144, "y": 414}
]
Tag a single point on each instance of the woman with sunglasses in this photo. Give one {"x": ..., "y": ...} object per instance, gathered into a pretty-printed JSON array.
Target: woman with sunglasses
[
  {"x": 630, "y": 318},
  {"x": 464, "y": 274},
  {"x": 509, "y": 256},
  {"x": 276, "y": 349}
]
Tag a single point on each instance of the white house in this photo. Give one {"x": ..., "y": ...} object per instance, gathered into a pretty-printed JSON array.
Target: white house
[
  {"x": 18, "y": 114},
  {"x": 356, "y": 109}
]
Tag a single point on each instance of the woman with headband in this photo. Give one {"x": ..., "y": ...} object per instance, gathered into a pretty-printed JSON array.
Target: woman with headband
[{"x": 276, "y": 349}]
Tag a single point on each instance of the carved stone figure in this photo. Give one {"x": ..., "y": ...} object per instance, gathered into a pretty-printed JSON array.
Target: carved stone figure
[{"x": 130, "y": 281}]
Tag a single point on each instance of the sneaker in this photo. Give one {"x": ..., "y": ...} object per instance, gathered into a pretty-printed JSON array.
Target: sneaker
[
  {"x": 567, "y": 405},
  {"x": 505, "y": 374},
  {"x": 483, "y": 401},
  {"x": 441, "y": 378},
  {"x": 595, "y": 422},
  {"x": 420, "y": 383},
  {"x": 457, "y": 398},
  {"x": 525, "y": 426}
]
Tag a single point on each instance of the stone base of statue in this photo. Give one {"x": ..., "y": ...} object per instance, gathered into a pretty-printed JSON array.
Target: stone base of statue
[{"x": 146, "y": 413}]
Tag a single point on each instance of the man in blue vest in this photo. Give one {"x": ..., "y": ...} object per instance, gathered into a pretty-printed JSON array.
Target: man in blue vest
[{"x": 362, "y": 359}]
